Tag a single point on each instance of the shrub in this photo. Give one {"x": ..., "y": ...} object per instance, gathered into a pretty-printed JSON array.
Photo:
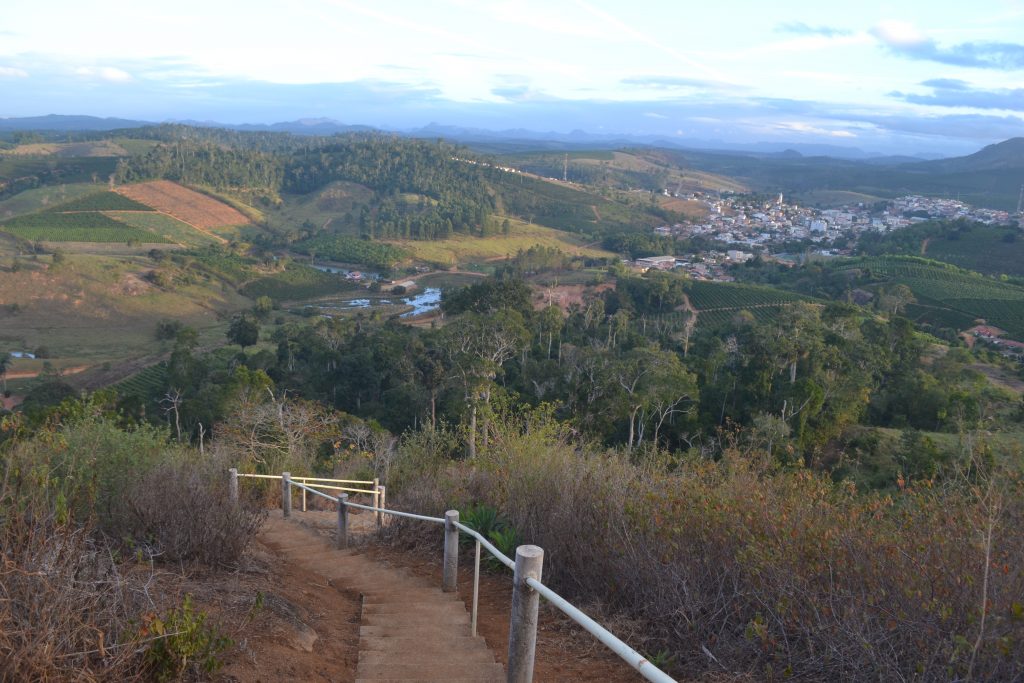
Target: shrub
[
  {"x": 180, "y": 511},
  {"x": 184, "y": 641}
]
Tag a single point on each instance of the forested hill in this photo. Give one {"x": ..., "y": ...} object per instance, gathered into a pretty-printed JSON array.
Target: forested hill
[{"x": 421, "y": 189}]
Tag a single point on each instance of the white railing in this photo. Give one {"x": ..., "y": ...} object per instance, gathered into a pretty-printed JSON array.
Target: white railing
[{"x": 527, "y": 588}]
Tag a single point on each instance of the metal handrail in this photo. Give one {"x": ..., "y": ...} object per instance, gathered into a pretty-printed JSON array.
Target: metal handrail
[
  {"x": 389, "y": 511},
  {"x": 498, "y": 555},
  {"x": 313, "y": 490},
  {"x": 625, "y": 652}
]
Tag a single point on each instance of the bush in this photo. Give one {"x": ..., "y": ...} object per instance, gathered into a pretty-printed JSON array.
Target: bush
[
  {"x": 65, "y": 609},
  {"x": 180, "y": 511},
  {"x": 187, "y": 643}
]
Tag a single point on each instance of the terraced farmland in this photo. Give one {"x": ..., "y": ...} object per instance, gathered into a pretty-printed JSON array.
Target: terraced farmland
[
  {"x": 168, "y": 227},
  {"x": 729, "y": 296},
  {"x": 184, "y": 204},
  {"x": 76, "y": 227},
  {"x": 949, "y": 294},
  {"x": 100, "y": 201},
  {"x": 144, "y": 383}
]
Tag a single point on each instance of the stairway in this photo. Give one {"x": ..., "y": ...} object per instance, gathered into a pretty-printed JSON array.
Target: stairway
[{"x": 410, "y": 631}]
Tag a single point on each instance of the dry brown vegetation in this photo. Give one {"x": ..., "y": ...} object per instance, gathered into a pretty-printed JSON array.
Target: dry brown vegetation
[
  {"x": 741, "y": 570},
  {"x": 85, "y": 509},
  {"x": 198, "y": 210}
]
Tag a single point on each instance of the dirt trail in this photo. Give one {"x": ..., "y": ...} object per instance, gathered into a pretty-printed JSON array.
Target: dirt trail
[
  {"x": 409, "y": 629},
  {"x": 32, "y": 374},
  {"x": 388, "y": 577}
]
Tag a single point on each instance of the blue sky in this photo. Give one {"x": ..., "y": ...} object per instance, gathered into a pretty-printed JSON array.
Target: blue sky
[{"x": 898, "y": 76}]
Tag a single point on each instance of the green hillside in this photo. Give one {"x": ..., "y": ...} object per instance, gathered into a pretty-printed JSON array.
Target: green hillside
[{"x": 946, "y": 294}]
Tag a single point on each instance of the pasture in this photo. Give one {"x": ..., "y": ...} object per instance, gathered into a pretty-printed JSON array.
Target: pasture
[{"x": 464, "y": 249}]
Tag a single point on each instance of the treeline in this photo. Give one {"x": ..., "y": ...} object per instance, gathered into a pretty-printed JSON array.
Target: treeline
[
  {"x": 627, "y": 367},
  {"x": 244, "y": 172}
]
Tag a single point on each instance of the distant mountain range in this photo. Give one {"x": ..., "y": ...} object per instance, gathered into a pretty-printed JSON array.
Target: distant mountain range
[
  {"x": 1005, "y": 155},
  {"x": 502, "y": 140}
]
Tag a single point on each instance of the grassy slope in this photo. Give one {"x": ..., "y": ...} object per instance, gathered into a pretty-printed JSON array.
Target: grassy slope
[
  {"x": 46, "y": 197},
  {"x": 95, "y": 309},
  {"x": 462, "y": 249},
  {"x": 329, "y": 204}
]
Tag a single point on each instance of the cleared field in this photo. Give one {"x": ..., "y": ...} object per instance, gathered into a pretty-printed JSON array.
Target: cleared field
[
  {"x": 464, "y": 249},
  {"x": 168, "y": 228},
  {"x": 41, "y": 198},
  {"x": 687, "y": 207},
  {"x": 184, "y": 204},
  {"x": 833, "y": 198}
]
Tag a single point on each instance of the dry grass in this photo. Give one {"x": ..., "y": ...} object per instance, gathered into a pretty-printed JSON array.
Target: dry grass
[
  {"x": 736, "y": 569},
  {"x": 79, "y": 503}
]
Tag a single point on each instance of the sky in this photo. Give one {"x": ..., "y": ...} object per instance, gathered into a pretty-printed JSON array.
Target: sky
[{"x": 903, "y": 76}]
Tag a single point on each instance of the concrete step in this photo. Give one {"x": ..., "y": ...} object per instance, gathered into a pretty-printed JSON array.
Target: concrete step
[
  {"x": 445, "y": 672},
  {"x": 427, "y": 654},
  {"x": 402, "y": 609},
  {"x": 489, "y": 679},
  {"x": 412, "y": 631},
  {"x": 441, "y": 641},
  {"x": 436, "y": 618}
]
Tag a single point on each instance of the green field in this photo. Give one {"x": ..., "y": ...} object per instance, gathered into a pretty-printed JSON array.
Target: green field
[
  {"x": 76, "y": 227},
  {"x": 164, "y": 226},
  {"x": 143, "y": 383},
  {"x": 41, "y": 198},
  {"x": 297, "y": 282},
  {"x": 464, "y": 249},
  {"x": 101, "y": 201},
  {"x": 336, "y": 206},
  {"x": 733, "y": 296},
  {"x": 353, "y": 250},
  {"x": 983, "y": 248},
  {"x": 963, "y": 294}
]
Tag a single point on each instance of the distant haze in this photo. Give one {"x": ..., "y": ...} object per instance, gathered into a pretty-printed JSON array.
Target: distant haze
[{"x": 921, "y": 77}]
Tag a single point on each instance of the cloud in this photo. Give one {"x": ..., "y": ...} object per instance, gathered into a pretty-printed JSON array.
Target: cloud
[
  {"x": 674, "y": 83},
  {"x": 906, "y": 40},
  {"x": 950, "y": 92},
  {"x": 802, "y": 29},
  {"x": 111, "y": 74},
  {"x": 654, "y": 115},
  {"x": 12, "y": 72},
  {"x": 947, "y": 84}
]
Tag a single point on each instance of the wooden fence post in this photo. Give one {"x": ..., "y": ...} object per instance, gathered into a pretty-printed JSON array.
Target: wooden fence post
[
  {"x": 233, "y": 484},
  {"x": 343, "y": 520},
  {"x": 376, "y": 500},
  {"x": 380, "y": 504},
  {"x": 451, "y": 552},
  {"x": 522, "y": 631},
  {"x": 286, "y": 494}
]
